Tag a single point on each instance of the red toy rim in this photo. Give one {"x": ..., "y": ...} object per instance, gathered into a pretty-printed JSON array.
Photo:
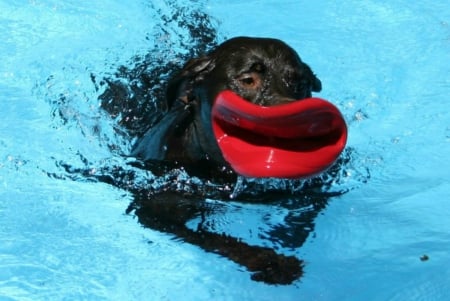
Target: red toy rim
[{"x": 295, "y": 140}]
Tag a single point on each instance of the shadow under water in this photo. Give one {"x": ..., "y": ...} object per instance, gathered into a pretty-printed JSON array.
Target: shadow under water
[
  {"x": 168, "y": 198},
  {"x": 171, "y": 211}
]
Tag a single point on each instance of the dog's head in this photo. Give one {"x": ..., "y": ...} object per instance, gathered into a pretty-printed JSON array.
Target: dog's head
[
  {"x": 261, "y": 70},
  {"x": 247, "y": 105}
]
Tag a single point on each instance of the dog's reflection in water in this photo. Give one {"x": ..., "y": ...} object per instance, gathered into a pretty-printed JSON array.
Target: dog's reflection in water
[{"x": 173, "y": 212}]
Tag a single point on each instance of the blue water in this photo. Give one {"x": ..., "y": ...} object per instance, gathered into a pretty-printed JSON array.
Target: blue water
[{"x": 385, "y": 64}]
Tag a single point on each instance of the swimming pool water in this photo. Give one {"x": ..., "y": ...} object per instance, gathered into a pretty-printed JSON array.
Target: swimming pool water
[{"x": 383, "y": 63}]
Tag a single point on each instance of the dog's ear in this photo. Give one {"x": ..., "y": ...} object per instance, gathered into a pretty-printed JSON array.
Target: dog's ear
[
  {"x": 181, "y": 85},
  {"x": 316, "y": 84}
]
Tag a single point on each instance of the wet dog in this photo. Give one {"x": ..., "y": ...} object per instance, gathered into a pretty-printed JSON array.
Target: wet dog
[{"x": 263, "y": 71}]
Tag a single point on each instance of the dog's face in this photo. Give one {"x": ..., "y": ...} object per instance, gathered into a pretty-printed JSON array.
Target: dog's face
[{"x": 261, "y": 70}]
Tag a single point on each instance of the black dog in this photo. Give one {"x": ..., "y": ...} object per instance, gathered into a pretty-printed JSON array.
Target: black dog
[{"x": 261, "y": 70}]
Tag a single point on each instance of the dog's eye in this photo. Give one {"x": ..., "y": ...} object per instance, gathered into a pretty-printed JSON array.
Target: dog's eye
[{"x": 249, "y": 80}]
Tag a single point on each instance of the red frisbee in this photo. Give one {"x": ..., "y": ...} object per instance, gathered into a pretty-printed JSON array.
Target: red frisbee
[{"x": 295, "y": 140}]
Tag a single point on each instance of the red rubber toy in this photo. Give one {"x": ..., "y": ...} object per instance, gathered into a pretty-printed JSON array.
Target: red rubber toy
[{"x": 295, "y": 140}]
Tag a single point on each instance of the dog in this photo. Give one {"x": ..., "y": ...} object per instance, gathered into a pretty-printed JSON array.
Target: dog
[{"x": 263, "y": 71}]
